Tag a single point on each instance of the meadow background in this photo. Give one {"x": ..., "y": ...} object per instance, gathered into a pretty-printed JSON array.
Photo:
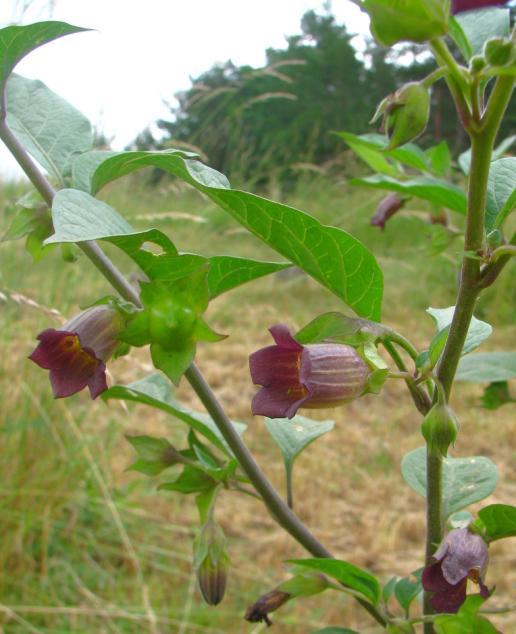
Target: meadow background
[{"x": 87, "y": 546}]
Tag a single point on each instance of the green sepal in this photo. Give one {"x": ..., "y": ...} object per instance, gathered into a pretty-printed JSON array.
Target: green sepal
[
  {"x": 203, "y": 332},
  {"x": 154, "y": 454},
  {"x": 136, "y": 332},
  {"x": 173, "y": 363},
  {"x": 304, "y": 584}
]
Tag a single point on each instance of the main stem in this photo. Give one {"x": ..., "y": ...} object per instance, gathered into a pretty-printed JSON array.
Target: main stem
[
  {"x": 285, "y": 517},
  {"x": 483, "y": 135}
]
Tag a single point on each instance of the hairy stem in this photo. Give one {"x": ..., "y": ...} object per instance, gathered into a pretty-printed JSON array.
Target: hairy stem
[{"x": 285, "y": 517}]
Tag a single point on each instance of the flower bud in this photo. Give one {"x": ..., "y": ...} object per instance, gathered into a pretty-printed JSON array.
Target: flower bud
[
  {"x": 407, "y": 114},
  {"x": 76, "y": 353},
  {"x": 477, "y": 64},
  {"x": 211, "y": 562},
  {"x": 498, "y": 51},
  {"x": 440, "y": 428},
  {"x": 386, "y": 208},
  {"x": 314, "y": 376}
]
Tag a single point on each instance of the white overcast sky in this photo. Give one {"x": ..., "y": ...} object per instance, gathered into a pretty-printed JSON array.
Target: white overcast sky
[{"x": 142, "y": 52}]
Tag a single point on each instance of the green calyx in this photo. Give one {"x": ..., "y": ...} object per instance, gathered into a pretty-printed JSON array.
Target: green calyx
[
  {"x": 499, "y": 51},
  {"x": 407, "y": 113}
]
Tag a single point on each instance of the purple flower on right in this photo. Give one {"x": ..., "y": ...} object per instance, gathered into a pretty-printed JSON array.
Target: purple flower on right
[
  {"x": 469, "y": 5},
  {"x": 462, "y": 555}
]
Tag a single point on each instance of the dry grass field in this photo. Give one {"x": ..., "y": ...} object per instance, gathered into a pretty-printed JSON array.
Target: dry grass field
[{"x": 88, "y": 547}]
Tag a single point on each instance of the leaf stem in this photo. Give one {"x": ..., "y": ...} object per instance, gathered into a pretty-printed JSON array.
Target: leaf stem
[
  {"x": 285, "y": 517},
  {"x": 420, "y": 398}
]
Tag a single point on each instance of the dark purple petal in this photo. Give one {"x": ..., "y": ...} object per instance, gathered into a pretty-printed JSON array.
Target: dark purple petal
[
  {"x": 278, "y": 402},
  {"x": 447, "y": 597},
  {"x": 275, "y": 365},
  {"x": 281, "y": 335},
  {"x": 98, "y": 383},
  {"x": 469, "y": 5},
  {"x": 54, "y": 349}
]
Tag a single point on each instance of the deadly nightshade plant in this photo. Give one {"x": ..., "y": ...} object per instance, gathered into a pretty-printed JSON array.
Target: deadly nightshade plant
[{"x": 332, "y": 360}]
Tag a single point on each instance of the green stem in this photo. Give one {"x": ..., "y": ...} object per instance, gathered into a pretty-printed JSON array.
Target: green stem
[
  {"x": 420, "y": 398},
  {"x": 275, "y": 504}
]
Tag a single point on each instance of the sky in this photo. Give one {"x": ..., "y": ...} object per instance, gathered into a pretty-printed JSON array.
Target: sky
[{"x": 141, "y": 53}]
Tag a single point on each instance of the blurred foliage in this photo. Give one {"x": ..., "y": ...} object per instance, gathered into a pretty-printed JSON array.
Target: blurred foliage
[{"x": 270, "y": 124}]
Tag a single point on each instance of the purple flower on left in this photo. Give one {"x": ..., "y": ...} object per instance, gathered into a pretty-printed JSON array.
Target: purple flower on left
[{"x": 76, "y": 353}]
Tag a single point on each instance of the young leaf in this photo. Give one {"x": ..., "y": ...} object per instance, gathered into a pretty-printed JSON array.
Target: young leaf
[
  {"x": 154, "y": 454},
  {"x": 18, "y": 41},
  {"x": 406, "y": 590},
  {"x": 487, "y": 367},
  {"x": 190, "y": 480},
  {"x": 501, "y": 191},
  {"x": 227, "y": 272},
  {"x": 347, "y": 574},
  {"x": 440, "y": 158},
  {"x": 78, "y": 217},
  {"x": 154, "y": 390},
  {"x": 465, "y": 480},
  {"x": 50, "y": 128},
  {"x": 497, "y": 521},
  {"x": 496, "y": 394},
  {"x": 434, "y": 190},
  {"x": 479, "y": 26},
  {"x": 478, "y": 330},
  {"x": 330, "y": 255},
  {"x": 293, "y": 436}
]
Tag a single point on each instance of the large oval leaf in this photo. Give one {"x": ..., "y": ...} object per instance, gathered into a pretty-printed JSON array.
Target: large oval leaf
[
  {"x": 330, "y": 255},
  {"x": 465, "y": 480}
]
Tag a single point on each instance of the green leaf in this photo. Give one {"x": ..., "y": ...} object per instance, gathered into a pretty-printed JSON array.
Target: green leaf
[
  {"x": 479, "y": 26},
  {"x": 173, "y": 363},
  {"x": 465, "y": 480},
  {"x": 496, "y": 394},
  {"x": 26, "y": 221},
  {"x": 154, "y": 454},
  {"x": 487, "y": 367},
  {"x": 501, "y": 191},
  {"x": 460, "y": 38},
  {"x": 190, "y": 480},
  {"x": 50, "y": 128},
  {"x": 478, "y": 330},
  {"x": 369, "y": 153},
  {"x": 388, "y": 588},
  {"x": 329, "y": 255},
  {"x": 498, "y": 521},
  {"x": 406, "y": 591},
  {"x": 293, "y": 436},
  {"x": 436, "y": 191},
  {"x": 347, "y": 574},
  {"x": 338, "y": 328},
  {"x": 18, "y": 41},
  {"x": 440, "y": 158},
  {"x": 154, "y": 390},
  {"x": 227, "y": 272},
  {"x": 84, "y": 166},
  {"x": 78, "y": 217}
]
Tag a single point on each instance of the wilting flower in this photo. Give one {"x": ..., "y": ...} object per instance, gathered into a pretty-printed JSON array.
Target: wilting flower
[
  {"x": 314, "y": 376},
  {"x": 76, "y": 353},
  {"x": 469, "y": 5},
  {"x": 462, "y": 555},
  {"x": 266, "y": 604},
  {"x": 386, "y": 208}
]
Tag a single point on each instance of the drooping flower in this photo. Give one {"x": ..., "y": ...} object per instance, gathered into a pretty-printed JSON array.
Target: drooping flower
[
  {"x": 76, "y": 353},
  {"x": 462, "y": 555},
  {"x": 313, "y": 376},
  {"x": 469, "y": 5},
  {"x": 386, "y": 208}
]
